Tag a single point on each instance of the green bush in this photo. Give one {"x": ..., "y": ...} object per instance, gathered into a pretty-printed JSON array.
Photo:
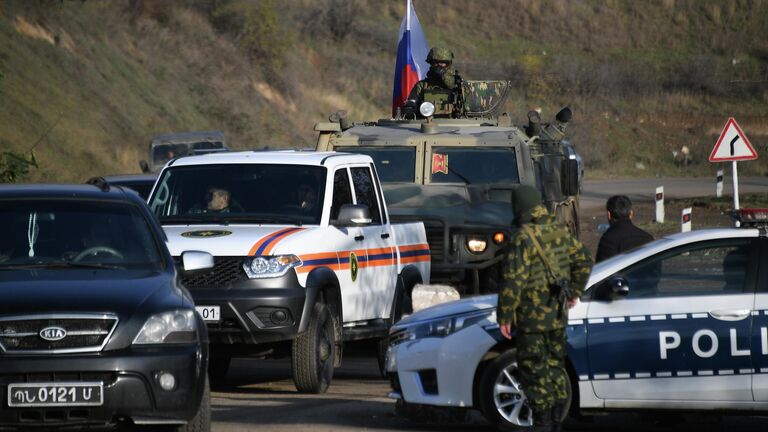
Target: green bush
[
  {"x": 256, "y": 27},
  {"x": 14, "y": 166}
]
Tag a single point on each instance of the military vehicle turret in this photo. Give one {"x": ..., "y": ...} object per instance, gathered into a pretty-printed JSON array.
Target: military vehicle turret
[{"x": 456, "y": 173}]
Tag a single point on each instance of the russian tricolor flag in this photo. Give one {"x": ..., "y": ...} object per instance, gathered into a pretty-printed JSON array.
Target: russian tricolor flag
[{"x": 412, "y": 50}]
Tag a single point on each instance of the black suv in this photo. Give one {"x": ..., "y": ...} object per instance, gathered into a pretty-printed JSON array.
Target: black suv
[{"x": 95, "y": 329}]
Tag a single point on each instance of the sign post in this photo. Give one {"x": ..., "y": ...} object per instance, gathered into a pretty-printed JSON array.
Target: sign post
[
  {"x": 737, "y": 148},
  {"x": 685, "y": 219}
]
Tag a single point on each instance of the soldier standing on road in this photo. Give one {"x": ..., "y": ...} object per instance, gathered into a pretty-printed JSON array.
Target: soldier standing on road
[
  {"x": 547, "y": 271},
  {"x": 623, "y": 235},
  {"x": 442, "y": 86}
]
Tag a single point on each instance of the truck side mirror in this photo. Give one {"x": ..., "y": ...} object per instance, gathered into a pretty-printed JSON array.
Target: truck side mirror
[
  {"x": 196, "y": 261},
  {"x": 144, "y": 166},
  {"x": 614, "y": 288},
  {"x": 570, "y": 177},
  {"x": 353, "y": 215}
]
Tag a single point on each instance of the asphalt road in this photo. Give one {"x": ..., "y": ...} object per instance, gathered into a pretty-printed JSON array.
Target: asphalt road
[
  {"x": 258, "y": 395},
  {"x": 596, "y": 192}
]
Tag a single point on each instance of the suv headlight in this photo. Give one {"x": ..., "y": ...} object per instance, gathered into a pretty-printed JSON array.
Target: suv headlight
[
  {"x": 270, "y": 266},
  {"x": 177, "y": 326},
  {"x": 440, "y": 327},
  {"x": 476, "y": 244}
]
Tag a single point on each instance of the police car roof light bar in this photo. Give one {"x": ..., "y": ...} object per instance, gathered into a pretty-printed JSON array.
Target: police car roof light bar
[{"x": 751, "y": 217}]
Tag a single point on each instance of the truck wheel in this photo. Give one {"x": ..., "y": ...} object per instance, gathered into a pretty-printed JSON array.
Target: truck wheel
[
  {"x": 218, "y": 366},
  {"x": 502, "y": 399},
  {"x": 314, "y": 352},
  {"x": 201, "y": 422}
]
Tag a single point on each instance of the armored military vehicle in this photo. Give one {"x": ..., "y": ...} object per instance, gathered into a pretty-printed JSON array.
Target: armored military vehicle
[{"x": 456, "y": 173}]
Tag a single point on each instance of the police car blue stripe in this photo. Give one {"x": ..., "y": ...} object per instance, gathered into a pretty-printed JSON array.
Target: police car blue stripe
[
  {"x": 637, "y": 318},
  {"x": 684, "y": 373},
  {"x": 679, "y": 316},
  {"x": 705, "y": 373},
  {"x": 616, "y": 319},
  {"x": 642, "y": 375},
  {"x": 699, "y": 315},
  {"x": 658, "y": 317}
]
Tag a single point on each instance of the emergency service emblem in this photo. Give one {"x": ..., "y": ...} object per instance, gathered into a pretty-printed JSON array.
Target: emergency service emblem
[
  {"x": 353, "y": 266},
  {"x": 206, "y": 234}
]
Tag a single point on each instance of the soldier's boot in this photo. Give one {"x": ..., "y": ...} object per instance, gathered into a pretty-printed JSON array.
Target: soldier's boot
[
  {"x": 542, "y": 421},
  {"x": 558, "y": 413}
]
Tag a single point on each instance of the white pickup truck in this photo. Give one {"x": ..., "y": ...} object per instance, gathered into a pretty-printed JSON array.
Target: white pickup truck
[{"x": 305, "y": 256}]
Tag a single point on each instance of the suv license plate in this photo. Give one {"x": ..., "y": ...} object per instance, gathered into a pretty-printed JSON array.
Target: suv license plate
[
  {"x": 56, "y": 394},
  {"x": 209, "y": 313}
]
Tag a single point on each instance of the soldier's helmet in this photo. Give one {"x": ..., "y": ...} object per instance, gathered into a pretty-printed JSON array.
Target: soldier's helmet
[
  {"x": 524, "y": 199},
  {"x": 439, "y": 54}
]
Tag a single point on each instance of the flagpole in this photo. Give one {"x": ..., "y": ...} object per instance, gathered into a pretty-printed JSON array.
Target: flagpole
[{"x": 408, "y": 16}]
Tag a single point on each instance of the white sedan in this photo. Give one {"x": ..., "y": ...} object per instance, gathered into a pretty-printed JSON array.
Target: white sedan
[{"x": 680, "y": 324}]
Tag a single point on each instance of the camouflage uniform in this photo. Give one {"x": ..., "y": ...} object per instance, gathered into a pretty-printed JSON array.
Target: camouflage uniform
[
  {"x": 526, "y": 303},
  {"x": 441, "y": 85}
]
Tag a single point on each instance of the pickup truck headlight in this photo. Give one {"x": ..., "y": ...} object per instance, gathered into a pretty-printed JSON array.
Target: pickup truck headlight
[
  {"x": 177, "y": 326},
  {"x": 441, "y": 327},
  {"x": 270, "y": 266},
  {"x": 476, "y": 245}
]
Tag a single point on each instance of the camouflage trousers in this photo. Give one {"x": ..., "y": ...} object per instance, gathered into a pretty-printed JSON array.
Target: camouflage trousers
[{"x": 541, "y": 365}]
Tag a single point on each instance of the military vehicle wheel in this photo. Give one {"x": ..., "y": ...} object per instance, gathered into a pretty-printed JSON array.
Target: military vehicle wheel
[
  {"x": 501, "y": 396},
  {"x": 314, "y": 352}
]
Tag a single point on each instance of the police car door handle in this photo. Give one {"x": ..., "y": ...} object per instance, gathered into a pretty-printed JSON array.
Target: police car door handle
[
  {"x": 359, "y": 238},
  {"x": 730, "y": 314},
  {"x": 385, "y": 236}
]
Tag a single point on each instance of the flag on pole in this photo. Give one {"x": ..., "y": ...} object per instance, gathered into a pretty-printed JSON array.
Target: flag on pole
[{"x": 411, "y": 65}]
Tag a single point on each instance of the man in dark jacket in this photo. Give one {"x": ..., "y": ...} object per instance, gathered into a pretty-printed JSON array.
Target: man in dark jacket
[
  {"x": 532, "y": 304},
  {"x": 623, "y": 235}
]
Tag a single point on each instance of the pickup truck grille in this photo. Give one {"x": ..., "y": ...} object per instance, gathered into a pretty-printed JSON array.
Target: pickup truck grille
[
  {"x": 77, "y": 333},
  {"x": 226, "y": 271},
  {"x": 436, "y": 239}
]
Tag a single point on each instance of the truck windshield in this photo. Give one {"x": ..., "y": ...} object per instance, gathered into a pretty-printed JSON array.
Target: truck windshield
[
  {"x": 76, "y": 233},
  {"x": 474, "y": 165},
  {"x": 240, "y": 193},
  {"x": 394, "y": 164}
]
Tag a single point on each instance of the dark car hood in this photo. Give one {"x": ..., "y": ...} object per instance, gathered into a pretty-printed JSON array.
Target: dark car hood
[
  {"x": 43, "y": 291},
  {"x": 454, "y": 204}
]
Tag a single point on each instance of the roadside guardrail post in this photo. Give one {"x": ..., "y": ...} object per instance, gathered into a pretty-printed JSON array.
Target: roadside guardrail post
[
  {"x": 660, "y": 204},
  {"x": 686, "y": 219}
]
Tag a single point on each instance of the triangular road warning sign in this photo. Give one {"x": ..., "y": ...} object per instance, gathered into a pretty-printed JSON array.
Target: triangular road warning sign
[{"x": 732, "y": 145}]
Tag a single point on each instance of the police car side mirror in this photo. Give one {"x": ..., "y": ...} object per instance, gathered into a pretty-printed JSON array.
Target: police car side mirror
[
  {"x": 353, "y": 215},
  {"x": 612, "y": 289}
]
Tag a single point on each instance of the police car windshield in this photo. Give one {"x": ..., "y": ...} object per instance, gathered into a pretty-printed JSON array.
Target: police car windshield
[
  {"x": 474, "y": 165},
  {"x": 71, "y": 234},
  {"x": 240, "y": 193},
  {"x": 393, "y": 164}
]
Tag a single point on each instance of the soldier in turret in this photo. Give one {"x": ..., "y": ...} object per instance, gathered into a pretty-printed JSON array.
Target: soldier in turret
[{"x": 442, "y": 86}]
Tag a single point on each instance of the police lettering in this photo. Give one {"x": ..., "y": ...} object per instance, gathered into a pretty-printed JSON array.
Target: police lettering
[{"x": 705, "y": 343}]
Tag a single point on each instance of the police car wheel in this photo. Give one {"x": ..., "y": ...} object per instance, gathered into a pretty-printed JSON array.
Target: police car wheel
[
  {"x": 502, "y": 398},
  {"x": 314, "y": 352}
]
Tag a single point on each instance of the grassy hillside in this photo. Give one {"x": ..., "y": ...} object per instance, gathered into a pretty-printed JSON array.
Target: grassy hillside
[{"x": 88, "y": 83}]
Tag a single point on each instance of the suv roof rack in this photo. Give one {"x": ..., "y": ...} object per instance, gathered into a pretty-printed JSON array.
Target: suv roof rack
[{"x": 99, "y": 182}]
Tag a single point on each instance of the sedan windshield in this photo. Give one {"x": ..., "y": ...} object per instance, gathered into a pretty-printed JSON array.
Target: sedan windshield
[
  {"x": 71, "y": 234},
  {"x": 242, "y": 193},
  {"x": 474, "y": 165}
]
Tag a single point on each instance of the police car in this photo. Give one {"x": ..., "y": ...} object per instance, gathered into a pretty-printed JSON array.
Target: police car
[{"x": 678, "y": 324}]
